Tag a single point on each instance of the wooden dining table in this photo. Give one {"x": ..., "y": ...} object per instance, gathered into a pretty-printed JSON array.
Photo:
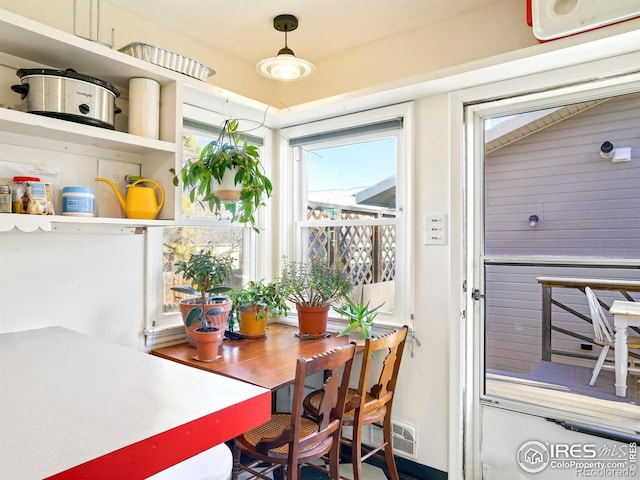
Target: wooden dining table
[{"x": 268, "y": 362}]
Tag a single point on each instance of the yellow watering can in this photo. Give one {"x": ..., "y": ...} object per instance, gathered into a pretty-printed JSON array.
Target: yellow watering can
[{"x": 141, "y": 200}]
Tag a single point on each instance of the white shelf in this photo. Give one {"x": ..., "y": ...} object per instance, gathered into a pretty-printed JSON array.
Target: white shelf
[
  {"x": 31, "y": 125},
  {"x": 48, "y": 223},
  {"x": 40, "y": 43},
  {"x": 77, "y": 149}
]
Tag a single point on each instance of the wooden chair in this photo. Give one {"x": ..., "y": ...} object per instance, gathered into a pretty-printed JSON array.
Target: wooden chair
[
  {"x": 365, "y": 407},
  {"x": 603, "y": 333},
  {"x": 290, "y": 439}
]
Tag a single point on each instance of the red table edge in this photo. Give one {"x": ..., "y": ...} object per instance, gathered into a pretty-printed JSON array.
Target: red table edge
[{"x": 156, "y": 453}]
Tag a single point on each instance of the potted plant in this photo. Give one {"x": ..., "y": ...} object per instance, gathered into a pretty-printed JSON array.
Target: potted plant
[
  {"x": 227, "y": 172},
  {"x": 254, "y": 304},
  {"x": 313, "y": 287},
  {"x": 360, "y": 317},
  {"x": 207, "y": 338},
  {"x": 207, "y": 273}
]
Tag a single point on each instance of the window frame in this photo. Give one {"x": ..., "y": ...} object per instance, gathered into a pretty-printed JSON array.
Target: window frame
[
  {"x": 163, "y": 328},
  {"x": 293, "y": 200}
]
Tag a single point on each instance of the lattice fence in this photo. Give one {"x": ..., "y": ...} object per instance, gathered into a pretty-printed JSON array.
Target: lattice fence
[{"x": 366, "y": 251}]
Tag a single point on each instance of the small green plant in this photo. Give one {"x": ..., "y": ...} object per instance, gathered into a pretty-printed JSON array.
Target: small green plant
[
  {"x": 314, "y": 284},
  {"x": 207, "y": 272},
  {"x": 359, "y": 315},
  {"x": 216, "y": 159},
  {"x": 196, "y": 314},
  {"x": 267, "y": 297}
]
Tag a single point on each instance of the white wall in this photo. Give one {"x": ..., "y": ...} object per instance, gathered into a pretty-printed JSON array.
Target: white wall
[{"x": 92, "y": 283}]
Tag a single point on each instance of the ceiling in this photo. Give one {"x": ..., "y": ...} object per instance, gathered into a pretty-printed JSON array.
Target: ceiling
[{"x": 244, "y": 28}]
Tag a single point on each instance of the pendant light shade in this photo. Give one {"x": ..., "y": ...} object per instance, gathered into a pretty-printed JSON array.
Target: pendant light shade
[{"x": 285, "y": 65}]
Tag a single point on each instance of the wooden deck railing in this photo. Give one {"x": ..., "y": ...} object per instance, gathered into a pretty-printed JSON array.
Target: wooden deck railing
[{"x": 549, "y": 283}]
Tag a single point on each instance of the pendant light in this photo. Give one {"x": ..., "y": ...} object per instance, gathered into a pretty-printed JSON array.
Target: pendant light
[{"x": 285, "y": 66}]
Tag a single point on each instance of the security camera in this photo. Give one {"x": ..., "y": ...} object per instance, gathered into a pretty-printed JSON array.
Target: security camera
[{"x": 606, "y": 150}]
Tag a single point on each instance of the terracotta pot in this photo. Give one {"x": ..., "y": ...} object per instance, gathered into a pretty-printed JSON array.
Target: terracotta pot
[
  {"x": 253, "y": 325},
  {"x": 218, "y": 321},
  {"x": 312, "y": 321},
  {"x": 207, "y": 343}
]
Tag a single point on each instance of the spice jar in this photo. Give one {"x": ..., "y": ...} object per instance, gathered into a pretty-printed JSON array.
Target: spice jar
[
  {"x": 19, "y": 197},
  {"x": 5, "y": 199}
]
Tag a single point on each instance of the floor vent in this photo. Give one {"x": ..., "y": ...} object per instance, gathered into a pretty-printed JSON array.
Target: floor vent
[{"x": 405, "y": 441}]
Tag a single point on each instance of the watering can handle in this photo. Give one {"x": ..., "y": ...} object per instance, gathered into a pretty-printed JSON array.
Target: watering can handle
[{"x": 156, "y": 186}]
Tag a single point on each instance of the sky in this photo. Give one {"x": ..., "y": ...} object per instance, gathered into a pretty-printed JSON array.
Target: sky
[{"x": 349, "y": 168}]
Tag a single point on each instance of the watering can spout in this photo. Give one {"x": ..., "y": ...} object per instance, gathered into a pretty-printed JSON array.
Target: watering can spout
[
  {"x": 141, "y": 201},
  {"x": 115, "y": 190}
]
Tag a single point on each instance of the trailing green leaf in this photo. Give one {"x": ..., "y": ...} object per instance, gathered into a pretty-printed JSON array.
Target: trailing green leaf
[{"x": 216, "y": 159}]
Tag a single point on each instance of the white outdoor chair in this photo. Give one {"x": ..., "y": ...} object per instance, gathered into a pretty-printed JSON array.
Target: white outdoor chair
[{"x": 603, "y": 333}]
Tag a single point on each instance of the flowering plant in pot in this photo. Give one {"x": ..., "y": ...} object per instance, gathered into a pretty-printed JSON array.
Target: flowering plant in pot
[
  {"x": 206, "y": 337},
  {"x": 313, "y": 287},
  {"x": 360, "y": 316},
  {"x": 207, "y": 273},
  {"x": 227, "y": 172},
  {"x": 254, "y": 304}
]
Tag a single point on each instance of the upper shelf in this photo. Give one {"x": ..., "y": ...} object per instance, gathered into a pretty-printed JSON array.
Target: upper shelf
[
  {"x": 31, "y": 125},
  {"x": 40, "y": 43}
]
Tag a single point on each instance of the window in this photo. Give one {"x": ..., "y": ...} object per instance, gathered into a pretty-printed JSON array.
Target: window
[
  {"x": 199, "y": 229},
  {"x": 557, "y": 216},
  {"x": 351, "y": 206}
]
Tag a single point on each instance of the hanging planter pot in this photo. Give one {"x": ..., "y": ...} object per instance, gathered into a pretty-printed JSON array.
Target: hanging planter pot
[
  {"x": 226, "y": 188},
  {"x": 234, "y": 164}
]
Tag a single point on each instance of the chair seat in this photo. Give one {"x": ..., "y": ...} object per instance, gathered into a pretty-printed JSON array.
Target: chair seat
[
  {"x": 273, "y": 428},
  {"x": 312, "y": 401}
]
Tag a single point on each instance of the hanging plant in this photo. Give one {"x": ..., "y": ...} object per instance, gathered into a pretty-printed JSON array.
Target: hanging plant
[{"x": 218, "y": 159}]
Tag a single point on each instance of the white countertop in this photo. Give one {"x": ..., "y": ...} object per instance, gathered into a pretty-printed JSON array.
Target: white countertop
[{"x": 68, "y": 398}]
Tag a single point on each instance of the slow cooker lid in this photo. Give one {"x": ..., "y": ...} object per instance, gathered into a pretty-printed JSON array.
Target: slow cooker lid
[{"x": 68, "y": 73}]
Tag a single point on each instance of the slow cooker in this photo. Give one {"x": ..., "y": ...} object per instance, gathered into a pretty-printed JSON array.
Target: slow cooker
[{"x": 68, "y": 95}]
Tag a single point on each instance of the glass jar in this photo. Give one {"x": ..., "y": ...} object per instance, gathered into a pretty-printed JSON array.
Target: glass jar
[{"x": 5, "y": 199}]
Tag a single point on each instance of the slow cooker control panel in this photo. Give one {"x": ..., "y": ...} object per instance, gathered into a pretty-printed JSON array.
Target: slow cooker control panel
[{"x": 84, "y": 108}]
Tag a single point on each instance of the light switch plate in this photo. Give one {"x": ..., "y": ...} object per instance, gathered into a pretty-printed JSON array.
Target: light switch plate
[{"x": 435, "y": 229}]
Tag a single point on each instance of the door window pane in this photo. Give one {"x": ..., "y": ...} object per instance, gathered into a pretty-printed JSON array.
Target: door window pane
[{"x": 560, "y": 216}]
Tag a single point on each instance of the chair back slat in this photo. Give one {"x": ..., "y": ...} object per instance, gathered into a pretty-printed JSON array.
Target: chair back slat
[
  {"x": 336, "y": 365},
  {"x": 382, "y": 390},
  {"x": 601, "y": 327}
]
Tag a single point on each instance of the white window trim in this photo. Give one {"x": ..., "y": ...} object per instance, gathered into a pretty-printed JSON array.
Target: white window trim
[
  {"x": 164, "y": 328},
  {"x": 290, "y": 201}
]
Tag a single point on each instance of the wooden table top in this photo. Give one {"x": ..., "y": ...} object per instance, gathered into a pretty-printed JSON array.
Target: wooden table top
[{"x": 268, "y": 362}]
